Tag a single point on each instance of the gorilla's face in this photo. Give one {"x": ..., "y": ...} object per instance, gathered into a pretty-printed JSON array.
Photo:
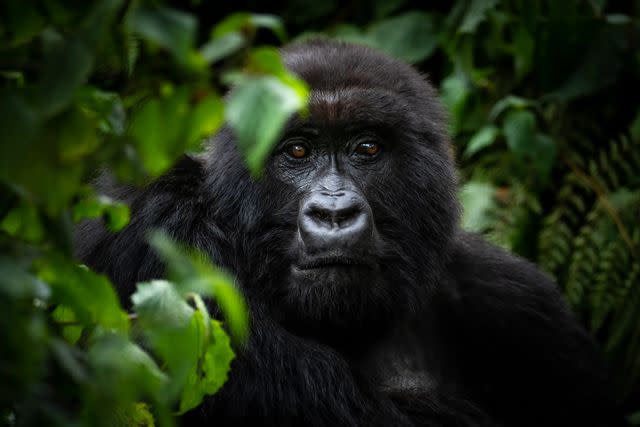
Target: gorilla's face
[{"x": 361, "y": 191}]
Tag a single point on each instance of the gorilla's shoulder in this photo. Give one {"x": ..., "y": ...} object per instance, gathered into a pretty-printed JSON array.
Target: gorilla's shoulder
[{"x": 485, "y": 271}]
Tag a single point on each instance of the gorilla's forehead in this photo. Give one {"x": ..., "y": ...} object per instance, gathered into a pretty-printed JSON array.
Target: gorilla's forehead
[
  {"x": 353, "y": 83},
  {"x": 359, "y": 106}
]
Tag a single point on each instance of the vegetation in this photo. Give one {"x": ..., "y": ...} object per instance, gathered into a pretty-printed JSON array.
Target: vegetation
[{"x": 543, "y": 119}]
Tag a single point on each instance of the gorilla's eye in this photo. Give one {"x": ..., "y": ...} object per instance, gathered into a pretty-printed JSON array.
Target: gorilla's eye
[
  {"x": 297, "y": 150},
  {"x": 368, "y": 148}
]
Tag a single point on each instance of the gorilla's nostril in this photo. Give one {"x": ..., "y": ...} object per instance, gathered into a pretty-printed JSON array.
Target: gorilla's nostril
[{"x": 329, "y": 222}]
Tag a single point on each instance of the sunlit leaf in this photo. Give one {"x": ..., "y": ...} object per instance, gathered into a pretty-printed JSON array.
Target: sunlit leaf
[
  {"x": 222, "y": 46},
  {"x": 257, "y": 110},
  {"x": 124, "y": 371},
  {"x": 211, "y": 374},
  {"x": 483, "y": 138},
  {"x": 507, "y": 103},
  {"x": 192, "y": 272},
  {"x": 90, "y": 296}
]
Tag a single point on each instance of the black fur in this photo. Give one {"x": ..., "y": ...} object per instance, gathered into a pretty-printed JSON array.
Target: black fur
[{"x": 449, "y": 331}]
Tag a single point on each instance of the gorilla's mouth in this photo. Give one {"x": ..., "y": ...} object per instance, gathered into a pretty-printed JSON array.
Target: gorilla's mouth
[{"x": 334, "y": 262}]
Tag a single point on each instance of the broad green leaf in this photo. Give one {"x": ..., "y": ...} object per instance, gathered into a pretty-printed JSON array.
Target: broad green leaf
[
  {"x": 192, "y": 272},
  {"x": 76, "y": 135},
  {"x": 169, "y": 28},
  {"x": 455, "y": 93},
  {"x": 124, "y": 371},
  {"x": 90, "y": 296},
  {"x": 65, "y": 68},
  {"x": 222, "y": 46},
  {"x": 211, "y": 374},
  {"x": 478, "y": 202},
  {"x": 267, "y": 60},
  {"x": 164, "y": 127},
  {"x": 507, "y": 103},
  {"x": 158, "y": 304},
  {"x": 195, "y": 349},
  {"x": 257, "y": 110},
  {"x": 520, "y": 132},
  {"x": 543, "y": 154},
  {"x": 483, "y": 138},
  {"x": 476, "y": 13},
  {"x": 411, "y": 37}
]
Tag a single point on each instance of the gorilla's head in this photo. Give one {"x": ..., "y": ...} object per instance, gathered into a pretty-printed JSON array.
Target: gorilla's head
[{"x": 353, "y": 217}]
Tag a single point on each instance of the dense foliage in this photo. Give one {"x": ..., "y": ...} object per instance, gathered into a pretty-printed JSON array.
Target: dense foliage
[{"x": 544, "y": 123}]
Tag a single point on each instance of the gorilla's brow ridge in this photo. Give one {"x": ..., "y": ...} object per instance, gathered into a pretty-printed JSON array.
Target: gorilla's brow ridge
[{"x": 363, "y": 105}]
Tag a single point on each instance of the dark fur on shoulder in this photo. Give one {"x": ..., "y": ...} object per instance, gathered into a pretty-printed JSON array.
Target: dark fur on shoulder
[{"x": 391, "y": 315}]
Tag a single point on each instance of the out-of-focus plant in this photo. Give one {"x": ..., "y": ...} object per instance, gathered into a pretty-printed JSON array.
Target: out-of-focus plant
[{"x": 127, "y": 86}]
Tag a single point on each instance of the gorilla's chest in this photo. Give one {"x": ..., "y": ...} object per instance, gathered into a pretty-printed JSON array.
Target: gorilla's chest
[{"x": 413, "y": 358}]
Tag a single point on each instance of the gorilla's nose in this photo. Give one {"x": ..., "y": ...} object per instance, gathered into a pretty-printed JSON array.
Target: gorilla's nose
[{"x": 337, "y": 221}]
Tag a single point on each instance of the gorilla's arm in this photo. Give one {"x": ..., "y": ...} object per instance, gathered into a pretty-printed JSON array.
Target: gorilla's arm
[{"x": 516, "y": 333}]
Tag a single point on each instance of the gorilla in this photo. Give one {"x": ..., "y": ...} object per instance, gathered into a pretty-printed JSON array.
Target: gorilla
[{"x": 369, "y": 305}]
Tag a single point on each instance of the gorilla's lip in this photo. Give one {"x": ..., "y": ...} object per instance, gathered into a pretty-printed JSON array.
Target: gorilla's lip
[{"x": 332, "y": 261}]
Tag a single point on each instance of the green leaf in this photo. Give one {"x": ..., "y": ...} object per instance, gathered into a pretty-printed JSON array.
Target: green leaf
[
  {"x": 412, "y": 36},
  {"x": 18, "y": 283},
  {"x": 478, "y": 203},
  {"x": 195, "y": 349},
  {"x": 520, "y": 132},
  {"x": 23, "y": 222},
  {"x": 116, "y": 214},
  {"x": 211, "y": 374},
  {"x": 66, "y": 67},
  {"x": 134, "y": 415},
  {"x": 67, "y": 319},
  {"x": 543, "y": 154},
  {"x": 192, "y": 272},
  {"x": 169, "y": 28},
  {"x": 455, "y": 93},
  {"x": 221, "y": 47},
  {"x": 483, "y": 138},
  {"x": 90, "y": 296},
  {"x": 124, "y": 371},
  {"x": 257, "y": 110},
  {"x": 164, "y": 127},
  {"x": 507, "y": 103},
  {"x": 158, "y": 303},
  {"x": 247, "y": 23},
  {"x": 475, "y": 14}
]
